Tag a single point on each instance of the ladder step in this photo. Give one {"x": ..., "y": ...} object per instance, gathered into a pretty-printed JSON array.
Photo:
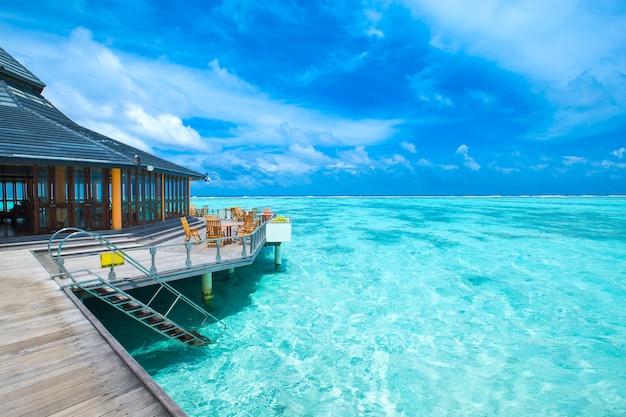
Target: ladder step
[
  {"x": 154, "y": 319},
  {"x": 131, "y": 306},
  {"x": 166, "y": 325},
  {"x": 185, "y": 337},
  {"x": 117, "y": 298},
  {"x": 175, "y": 332},
  {"x": 141, "y": 313},
  {"x": 147, "y": 315},
  {"x": 104, "y": 291}
]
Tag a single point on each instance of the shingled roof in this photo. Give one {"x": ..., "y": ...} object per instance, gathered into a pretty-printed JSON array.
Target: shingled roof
[
  {"x": 33, "y": 131},
  {"x": 10, "y": 68}
]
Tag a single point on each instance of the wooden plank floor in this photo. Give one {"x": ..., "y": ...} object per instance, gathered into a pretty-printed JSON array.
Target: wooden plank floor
[{"x": 55, "y": 362}]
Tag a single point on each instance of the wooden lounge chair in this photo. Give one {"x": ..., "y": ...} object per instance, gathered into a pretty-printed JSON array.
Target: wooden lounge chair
[
  {"x": 249, "y": 225},
  {"x": 237, "y": 213},
  {"x": 214, "y": 231},
  {"x": 190, "y": 232}
]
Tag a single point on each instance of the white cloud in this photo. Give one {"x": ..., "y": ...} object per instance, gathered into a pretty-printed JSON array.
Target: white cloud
[
  {"x": 410, "y": 147},
  {"x": 571, "y": 160},
  {"x": 373, "y": 17},
  {"x": 572, "y": 52},
  {"x": 356, "y": 157},
  {"x": 308, "y": 153},
  {"x": 427, "y": 90},
  {"x": 539, "y": 167},
  {"x": 619, "y": 152},
  {"x": 606, "y": 164},
  {"x": 426, "y": 163},
  {"x": 423, "y": 162},
  {"x": 548, "y": 40},
  {"x": 166, "y": 129},
  {"x": 395, "y": 160},
  {"x": 505, "y": 170},
  {"x": 468, "y": 161},
  {"x": 283, "y": 164},
  {"x": 149, "y": 102}
]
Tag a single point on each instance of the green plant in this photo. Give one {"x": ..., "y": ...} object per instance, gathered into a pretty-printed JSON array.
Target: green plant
[{"x": 280, "y": 219}]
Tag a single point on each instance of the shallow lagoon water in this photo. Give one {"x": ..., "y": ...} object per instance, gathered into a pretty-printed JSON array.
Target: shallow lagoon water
[{"x": 414, "y": 307}]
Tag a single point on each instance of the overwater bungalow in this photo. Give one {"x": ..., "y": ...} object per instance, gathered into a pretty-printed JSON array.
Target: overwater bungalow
[
  {"x": 55, "y": 173},
  {"x": 61, "y": 179}
]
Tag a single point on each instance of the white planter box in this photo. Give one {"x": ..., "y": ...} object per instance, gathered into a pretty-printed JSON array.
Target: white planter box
[{"x": 278, "y": 232}]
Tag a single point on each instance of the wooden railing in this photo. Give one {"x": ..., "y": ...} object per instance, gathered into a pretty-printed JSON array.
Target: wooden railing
[{"x": 172, "y": 261}]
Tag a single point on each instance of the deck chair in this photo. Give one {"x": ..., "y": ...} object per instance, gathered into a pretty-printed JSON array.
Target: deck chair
[
  {"x": 247, "y": 227},
  {"x": 190, "y": 232},
  {"x": 214, "y": 230},
  {"x": 237, "y": 213}
]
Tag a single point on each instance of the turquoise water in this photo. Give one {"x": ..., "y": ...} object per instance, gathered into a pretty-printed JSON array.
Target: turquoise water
[{"x": 416, "y": 307}]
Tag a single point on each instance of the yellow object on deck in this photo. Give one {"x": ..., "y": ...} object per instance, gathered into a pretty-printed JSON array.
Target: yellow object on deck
[{"x": 110, "y": 259}]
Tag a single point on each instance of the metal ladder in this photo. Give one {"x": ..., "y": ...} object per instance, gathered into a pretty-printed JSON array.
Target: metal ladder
[{"x": 150, "y": 313}]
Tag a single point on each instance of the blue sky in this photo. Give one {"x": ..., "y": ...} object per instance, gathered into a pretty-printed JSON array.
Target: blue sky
[{"x": 408, "y": 97}]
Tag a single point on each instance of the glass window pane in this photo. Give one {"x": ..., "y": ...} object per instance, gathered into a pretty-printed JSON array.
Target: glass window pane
[
  {"x": 96, "y": 185},
  {"x": 43, "y": 191},
  {"x": 124, "y": 186},
  {"x": 79, "y": 185}
]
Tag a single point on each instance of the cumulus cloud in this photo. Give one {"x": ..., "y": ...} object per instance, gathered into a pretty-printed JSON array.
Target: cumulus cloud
[
  {"x": 468, "y": 161},
  {"x": 619, "y": 152},
  {"x": 356, "y": 157},
  {"x": 146, "y": 103},
  {"x": 572, "y": 160},
  {"x": 410, "y": 147},
  {"x": 611, "y": 165},
  {"x": 166, "y": 129}
]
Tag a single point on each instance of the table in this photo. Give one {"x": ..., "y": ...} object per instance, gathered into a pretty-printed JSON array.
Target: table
[{"x": 227, "y": 226}]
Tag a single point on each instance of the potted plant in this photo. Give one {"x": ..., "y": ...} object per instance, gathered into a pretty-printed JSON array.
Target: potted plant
[{"x": 278, "y": 230}]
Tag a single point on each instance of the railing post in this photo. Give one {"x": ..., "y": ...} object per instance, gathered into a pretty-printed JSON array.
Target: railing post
[
  {"x": 188, "y": 261},
  {"x": 112, "y": 272},
  {"x": 243, "y": 245},
  {"x": 218, "y": 255},
  {"x": 153, "y": 251}
]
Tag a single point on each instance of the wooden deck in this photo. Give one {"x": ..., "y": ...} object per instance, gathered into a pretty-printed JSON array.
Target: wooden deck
[
  {"x": 55, "y": 362},
  {"x": 171, "y": 260}
]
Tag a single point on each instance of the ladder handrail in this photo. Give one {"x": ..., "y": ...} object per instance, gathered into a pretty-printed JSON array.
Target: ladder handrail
[
  {"x": 74, "y": 231},
  {"x": 193, "y": 337}
]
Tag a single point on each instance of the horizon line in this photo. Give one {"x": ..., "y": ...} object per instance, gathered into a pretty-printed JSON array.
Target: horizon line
[{"x": 419, "y": 196}]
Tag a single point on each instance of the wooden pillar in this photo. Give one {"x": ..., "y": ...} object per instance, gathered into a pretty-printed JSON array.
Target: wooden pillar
[
  {"x": 207, "y": 287},
  {"x": 116, "y": 198}
]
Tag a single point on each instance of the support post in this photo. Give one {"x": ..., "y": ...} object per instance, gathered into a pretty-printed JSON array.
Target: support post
[
  {"x": 153, "y": 251},
  {"x": 278, "y": 257},
  {"x": 207, "y": 287},
  {"x": 116, "y": 199}
]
